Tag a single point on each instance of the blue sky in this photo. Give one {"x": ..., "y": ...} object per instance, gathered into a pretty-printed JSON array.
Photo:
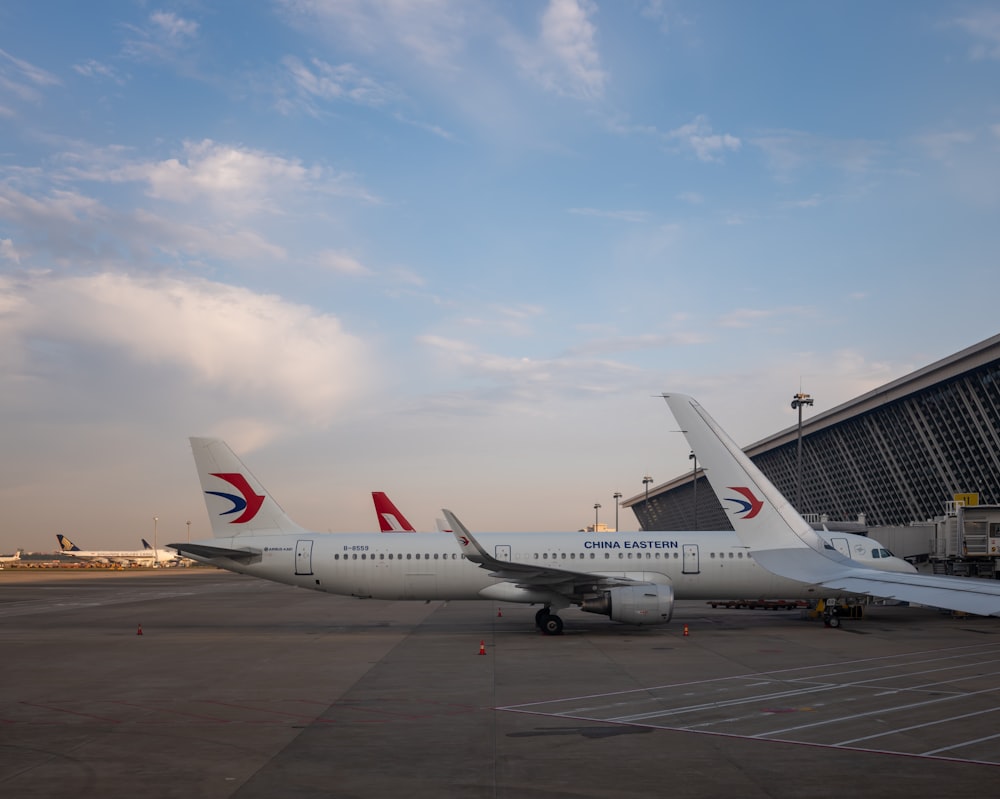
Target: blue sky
[{"x": 450, "y": 250}]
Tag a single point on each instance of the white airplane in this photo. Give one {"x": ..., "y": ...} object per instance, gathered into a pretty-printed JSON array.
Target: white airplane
[
  {"x": 782, "y": 542},
  {"x": 145, "y": 555},
  {"x": 390, "y": 520},
  {"x": 11, "y": 558},
  {"x": 629, "y": 577}
]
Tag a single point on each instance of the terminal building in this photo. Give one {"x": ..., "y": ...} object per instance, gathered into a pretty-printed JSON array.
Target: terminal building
[{"x": 908, "y": 452}]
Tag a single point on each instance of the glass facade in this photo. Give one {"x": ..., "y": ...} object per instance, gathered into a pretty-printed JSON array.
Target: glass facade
[{"x": 894, "y": 456}]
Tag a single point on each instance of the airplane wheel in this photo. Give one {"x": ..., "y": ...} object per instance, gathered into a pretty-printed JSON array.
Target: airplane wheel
[
  {"x": 834, "y": 621},
  {"x": 540, "y": 617},
  {"x": 552, "y": 625}
]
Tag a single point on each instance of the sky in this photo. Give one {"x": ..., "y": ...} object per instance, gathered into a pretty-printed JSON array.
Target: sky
[{"x": 454, "y": 250}]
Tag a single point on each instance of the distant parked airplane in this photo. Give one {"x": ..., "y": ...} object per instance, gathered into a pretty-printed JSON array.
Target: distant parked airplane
[
  {"x": 145, "y": 555},
  {"x": 11, "y": 558}
]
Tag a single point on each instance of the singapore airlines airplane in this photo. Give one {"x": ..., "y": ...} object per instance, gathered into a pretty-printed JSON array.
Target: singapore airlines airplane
[
  {"x": 782, "y": 542},
  {"x": 629, "y": 577},
  {"x": 145, "y": 555},
  {"x": 390, "y": 520}
]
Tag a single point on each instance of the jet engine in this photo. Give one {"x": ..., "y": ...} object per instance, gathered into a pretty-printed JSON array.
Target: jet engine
[{"x": 634, "y": 604}]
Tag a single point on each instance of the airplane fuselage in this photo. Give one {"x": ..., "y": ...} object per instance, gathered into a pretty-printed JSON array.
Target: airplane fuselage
[{"x": 428, "y": 566}]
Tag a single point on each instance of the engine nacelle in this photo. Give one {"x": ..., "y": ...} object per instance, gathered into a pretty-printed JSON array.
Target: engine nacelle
[{"x": 634, "y": 604}]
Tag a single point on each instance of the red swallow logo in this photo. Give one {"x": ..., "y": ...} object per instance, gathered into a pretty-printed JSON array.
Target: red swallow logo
[{"x": 749, "y": 506}]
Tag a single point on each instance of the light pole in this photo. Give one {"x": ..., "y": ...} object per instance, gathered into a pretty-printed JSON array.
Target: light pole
[
  {"x": 617, "y": 495},
  {"x": 189, "y": 532},
  {"x": 597, "y": 507},
  {"x": 798, "y": 400},
  {"x": 694, "y": 484},
  {"x": 156, "y": 519},
  {"x": 646, "y": 480}
]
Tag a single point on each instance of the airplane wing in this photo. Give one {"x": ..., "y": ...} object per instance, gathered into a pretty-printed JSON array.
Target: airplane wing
[
  {"x": 783, "y": 542},
  {"x": 201, "y": 551},
  {"x": 568, "y": 583}
]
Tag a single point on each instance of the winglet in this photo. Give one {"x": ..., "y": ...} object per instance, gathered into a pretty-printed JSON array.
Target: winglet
[{"x": 470, "y": 547}]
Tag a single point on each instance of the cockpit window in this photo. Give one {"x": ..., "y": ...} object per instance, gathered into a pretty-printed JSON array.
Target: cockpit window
[
  {"x": 876, "y": 553},
  {"x": 886, "y": 553},
  {"x": 827, "y": 546}
]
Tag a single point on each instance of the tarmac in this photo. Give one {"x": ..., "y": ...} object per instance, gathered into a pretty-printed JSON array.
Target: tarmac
[{"x": 242, "y": 688}]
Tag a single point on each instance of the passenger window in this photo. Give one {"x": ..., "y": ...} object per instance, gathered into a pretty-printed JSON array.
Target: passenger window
[
  {"x": 435, "y": 556},
  {"x": 408, "y": 556},
  {"x": 354, "y": 557},
  {"x": 563, "y": 556},
  {"x": 711, "y": 554},
  {"x": 730, "y": 555},
  {"x": 545, "y": 556}
]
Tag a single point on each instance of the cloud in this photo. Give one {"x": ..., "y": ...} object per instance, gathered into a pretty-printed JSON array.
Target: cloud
[
  {"x": 791, "y": 151},
  {"x": 92, "y": 68},
  {"x": 983, "y": 27},
  {"x": 341, "y": 263},
  {"x": 320, "y": 80},
  {"x": 564, "y": 58},
  {"x": 431, "y": 31},
  {"x": 266, "y": 358},
  {"x": 232, "y": 179},
  {"x": 706, "y": 144},
  {"x": 164, "y": 37},
  {"x": 81, "y": 231},
  {"x": 23, "y": 79}
]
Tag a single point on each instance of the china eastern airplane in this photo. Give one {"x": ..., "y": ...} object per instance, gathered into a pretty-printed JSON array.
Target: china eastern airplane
[
  {"x": 11, "y": 558},
  {"x": 145, "y": 555},
  {"x": 784, "y": 544},
  {"x": 630, "y": 577}
]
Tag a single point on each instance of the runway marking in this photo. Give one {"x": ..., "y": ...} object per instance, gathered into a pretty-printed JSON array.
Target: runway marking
[{"x": 888, "y": 685}]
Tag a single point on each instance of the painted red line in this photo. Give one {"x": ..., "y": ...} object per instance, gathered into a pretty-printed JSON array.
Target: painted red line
[
  {"x": 173, "y": 712},
  {"x": 72, "y": 712}
]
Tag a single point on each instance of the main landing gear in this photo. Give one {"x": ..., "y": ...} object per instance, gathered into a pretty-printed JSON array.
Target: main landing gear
[{"x": 549, "y": 623}]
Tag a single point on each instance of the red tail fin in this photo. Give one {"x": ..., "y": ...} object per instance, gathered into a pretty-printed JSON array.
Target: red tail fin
[{"x": 390, "y": 520}]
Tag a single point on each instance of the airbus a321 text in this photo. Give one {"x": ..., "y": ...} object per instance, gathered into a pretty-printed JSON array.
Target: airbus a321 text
[{"x": 630, "y": 577}]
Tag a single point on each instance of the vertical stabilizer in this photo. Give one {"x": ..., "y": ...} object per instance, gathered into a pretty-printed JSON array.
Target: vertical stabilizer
[
  {"x": 237, "y": 503},
  {"x": 390, "y": 520},
  {"x": 760, "y": 515}
]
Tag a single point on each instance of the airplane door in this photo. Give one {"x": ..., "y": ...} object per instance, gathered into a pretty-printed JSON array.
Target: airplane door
[
  {"x": 842, "y": 546},
  {"x": 690, "y": 564},
  {"x": 304, "y": 557},
  {"x": 503, "y": 552}
]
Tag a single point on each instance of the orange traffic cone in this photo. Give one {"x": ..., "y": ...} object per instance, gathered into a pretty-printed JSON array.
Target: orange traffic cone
[
  {"x": 499, "y": 612},
  {"x": 139, "y": 631},
  {"x": 482, "y": 647},
  {"x": 685, "y": 630}
]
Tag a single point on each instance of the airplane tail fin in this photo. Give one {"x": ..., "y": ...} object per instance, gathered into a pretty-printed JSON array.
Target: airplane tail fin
[
  {"x": 390, "y": 520},
  {"x": 65, "y": 545},
  {"x": 760, "y": 515},
  {"x": 237, "y": 503},
  {"x": 146, "y": 544}
]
